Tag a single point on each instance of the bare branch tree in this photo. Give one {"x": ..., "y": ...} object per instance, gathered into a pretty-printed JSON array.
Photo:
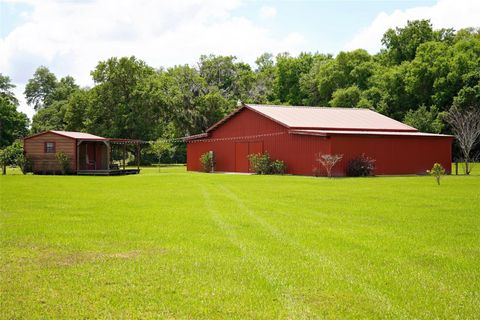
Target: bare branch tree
[
  {"x": 473, "y": 160},
  {"x": 328, "y": 161},
  {"x": 466, "y": 128}
]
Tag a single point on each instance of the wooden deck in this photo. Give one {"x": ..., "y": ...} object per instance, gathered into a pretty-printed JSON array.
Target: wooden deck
[{"x": 113, "y": 172}]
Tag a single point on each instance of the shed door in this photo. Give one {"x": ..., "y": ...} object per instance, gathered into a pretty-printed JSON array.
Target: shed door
[
  {"x": 241, "y": 153},
  {"x": 91, "y": 156}
]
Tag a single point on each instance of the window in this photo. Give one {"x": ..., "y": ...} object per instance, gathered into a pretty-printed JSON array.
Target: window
[{"x": 49, "y": 147}]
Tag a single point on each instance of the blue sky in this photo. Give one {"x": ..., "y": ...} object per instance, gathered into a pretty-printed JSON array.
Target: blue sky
[
  {"x": 10, "y": 16},
  {"x": 333, "y": 20},
  {"x": 327, "y": 25},
  {"x": 70, "y": 37}
]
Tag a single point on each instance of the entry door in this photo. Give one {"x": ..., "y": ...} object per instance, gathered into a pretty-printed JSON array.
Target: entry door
[
  {"x": 91, "y": 156},
  {"x": 241, "y": 153}
]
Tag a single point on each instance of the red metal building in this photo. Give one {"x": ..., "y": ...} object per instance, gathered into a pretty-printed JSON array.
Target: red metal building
[{"x": 296, "y": 134}]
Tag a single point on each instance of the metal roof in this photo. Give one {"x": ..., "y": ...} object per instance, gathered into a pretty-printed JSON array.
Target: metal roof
[
  {"x": 78, "y": 135},
  {"x": 362, "y": 132},
  {"x": 86, "y": 136},
  {"x": 329, "y": 118},
  {"x": 196, "y": 136},
  {"x": 69, "y": 134}
]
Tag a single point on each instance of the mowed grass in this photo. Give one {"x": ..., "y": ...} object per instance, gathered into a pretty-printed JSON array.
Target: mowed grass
[{"x": 173, "y": 244}]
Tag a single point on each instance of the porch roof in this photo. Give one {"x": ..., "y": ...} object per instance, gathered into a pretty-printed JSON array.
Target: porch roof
[{"x": 124, "y": 141}]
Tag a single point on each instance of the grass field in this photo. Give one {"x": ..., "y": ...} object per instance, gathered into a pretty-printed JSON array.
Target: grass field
[{"x": 172, "y": 244}]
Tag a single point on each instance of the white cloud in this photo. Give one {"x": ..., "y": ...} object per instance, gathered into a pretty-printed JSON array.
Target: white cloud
[
  {"x": 268, "y": 12},
  {"x": 70, "y": 37},
  {"x": 455, "y": 14}
]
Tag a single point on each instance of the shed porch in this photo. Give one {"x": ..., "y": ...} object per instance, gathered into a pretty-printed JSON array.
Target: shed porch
[{"x": 96, "y": 156}]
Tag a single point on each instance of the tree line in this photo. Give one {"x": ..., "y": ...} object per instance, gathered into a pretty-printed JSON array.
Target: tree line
[{"x": 419, "y": 75}]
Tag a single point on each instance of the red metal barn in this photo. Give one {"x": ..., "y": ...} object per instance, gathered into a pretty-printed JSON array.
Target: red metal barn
[{"x": 296, "y": 134}]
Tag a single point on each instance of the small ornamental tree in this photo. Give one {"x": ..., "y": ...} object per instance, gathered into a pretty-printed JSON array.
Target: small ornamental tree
[
  {"x": 466, "y": 128},
  {"x": 63, "y": 161},
  {"x": 10, "y": 154},
  {"x": 4, "y": 160},
  {"x": 328, "y": 161},
  {"x": 437, "y": 171},
  {"x": 208, "y": 161},
  {"x": 159, "y": 147}
]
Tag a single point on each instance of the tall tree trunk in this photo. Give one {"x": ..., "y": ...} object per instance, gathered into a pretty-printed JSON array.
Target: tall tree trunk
[
  {"x": 4, "y": 169},
  {"x": 466, "y": 156}
]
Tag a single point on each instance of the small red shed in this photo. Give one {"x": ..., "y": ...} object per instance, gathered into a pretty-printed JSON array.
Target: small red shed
[
  {"x": 86, "y": 153},
  {"x": 296, "y": 134}
]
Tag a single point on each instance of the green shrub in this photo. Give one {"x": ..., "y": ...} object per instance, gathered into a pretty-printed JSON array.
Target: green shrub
[
  {"x": 278, "y": 167},
  {"x": 208, "y": 161},
  {"x": 62, "y": 159},
  {"x": 259, "y": 163},
  {"x": 361, "y": 166},
  {"x": 263, "y": 164},
  {"x": 437, "y": 171},
  {"x": 24, "y": 163}
]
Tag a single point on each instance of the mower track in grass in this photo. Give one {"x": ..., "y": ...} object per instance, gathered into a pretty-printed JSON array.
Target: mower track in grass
[
  {"x": 295, "y": 309},
  {"x": 177, "y": 245},
  {"x": 319, "y": 261}
]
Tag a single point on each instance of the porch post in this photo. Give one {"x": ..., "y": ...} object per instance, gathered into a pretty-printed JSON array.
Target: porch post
[
  {"x": 109, "y": 152},
  {"x": 138, "y": 156},
  {"x": 78, "y": 156}
]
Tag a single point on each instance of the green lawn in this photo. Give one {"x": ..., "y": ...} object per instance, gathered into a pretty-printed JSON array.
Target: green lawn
[{"x": 172, "y": 244}]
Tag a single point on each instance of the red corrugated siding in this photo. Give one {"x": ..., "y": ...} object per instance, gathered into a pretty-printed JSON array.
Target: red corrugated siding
[{"x": 394, "y": 155}]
